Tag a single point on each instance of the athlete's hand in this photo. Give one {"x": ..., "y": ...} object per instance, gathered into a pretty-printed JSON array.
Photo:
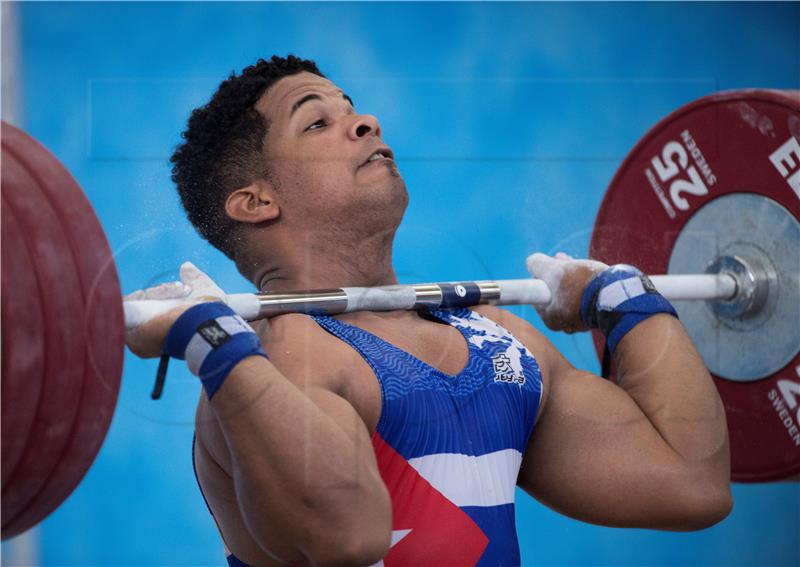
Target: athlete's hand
[
  {"x": 147, "y": 337},
  {"x": 566, "y": 278}
]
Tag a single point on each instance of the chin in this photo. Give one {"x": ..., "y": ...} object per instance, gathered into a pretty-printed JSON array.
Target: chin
[
  {"x": 399, "y": 200},
  {"x": 386, "y": 206}
]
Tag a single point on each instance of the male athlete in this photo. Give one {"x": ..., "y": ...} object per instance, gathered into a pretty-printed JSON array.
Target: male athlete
[{"x": 399, "y": 437}]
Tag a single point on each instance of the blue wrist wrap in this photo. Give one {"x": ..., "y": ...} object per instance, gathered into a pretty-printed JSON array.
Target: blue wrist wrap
[
  {"x": 619, "y": 298},
  {"x": 212, "y": 339}
]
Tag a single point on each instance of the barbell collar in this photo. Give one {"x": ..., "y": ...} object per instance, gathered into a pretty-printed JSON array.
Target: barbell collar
[{"x": 753, "y": 277}]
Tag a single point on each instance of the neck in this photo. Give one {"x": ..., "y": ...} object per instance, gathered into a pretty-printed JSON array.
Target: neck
[{"x": 311, "y": 260}]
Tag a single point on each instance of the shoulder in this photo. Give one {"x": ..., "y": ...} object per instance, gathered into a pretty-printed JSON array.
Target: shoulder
[
  {"x": 517, "y": 325},
  {"x": 291, "y": 332},
  {"x": 546, "y": 355},
  {"x": 533, "y": 339},
  {"x": 303, "y": 351}
]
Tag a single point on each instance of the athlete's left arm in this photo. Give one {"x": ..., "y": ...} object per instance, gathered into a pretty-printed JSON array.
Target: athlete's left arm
[{"x": 651, "y": 453}]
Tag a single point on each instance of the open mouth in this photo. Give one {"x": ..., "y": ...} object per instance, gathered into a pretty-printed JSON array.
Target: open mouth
[{"x": 379, "y": 155}]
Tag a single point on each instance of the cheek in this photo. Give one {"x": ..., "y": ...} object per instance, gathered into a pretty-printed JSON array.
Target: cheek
[
  {"x": 313, "y": 167},
  {"x": 316, "y": 185}
]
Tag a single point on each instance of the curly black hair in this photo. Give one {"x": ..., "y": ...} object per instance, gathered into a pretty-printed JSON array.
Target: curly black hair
[{"x": 223, "y": 145}]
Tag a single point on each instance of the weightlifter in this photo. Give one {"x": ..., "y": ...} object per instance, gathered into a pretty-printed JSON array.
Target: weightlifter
[{"x": 399, "y": 437}]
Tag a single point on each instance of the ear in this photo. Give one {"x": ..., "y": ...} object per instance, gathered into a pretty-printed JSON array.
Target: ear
[{"x": 254, "y": 203}]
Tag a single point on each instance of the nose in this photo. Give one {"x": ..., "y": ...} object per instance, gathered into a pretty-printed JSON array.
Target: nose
[{"x": 364, "y": 125}]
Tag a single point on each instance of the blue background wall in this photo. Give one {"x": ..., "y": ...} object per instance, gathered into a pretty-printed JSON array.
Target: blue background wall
[{"x": 510, "y": 118}]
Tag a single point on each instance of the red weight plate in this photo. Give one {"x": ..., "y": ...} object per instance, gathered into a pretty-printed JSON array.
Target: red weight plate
[
  {"x": 727, "y": 140},
  {"x": 102, "y": 326},
  {"x": 23, "y": 343},
  {"x": 60, "y": 295}
]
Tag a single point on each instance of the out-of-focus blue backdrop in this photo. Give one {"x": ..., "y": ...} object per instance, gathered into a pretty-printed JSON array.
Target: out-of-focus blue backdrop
[{"x": 508, "y": 122}]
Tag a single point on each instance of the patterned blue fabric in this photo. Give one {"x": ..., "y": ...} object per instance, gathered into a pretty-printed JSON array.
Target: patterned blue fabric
[{"x": 488, "y": 408}]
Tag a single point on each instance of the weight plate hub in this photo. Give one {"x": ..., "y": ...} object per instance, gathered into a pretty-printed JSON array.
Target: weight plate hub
[
  {"x": 718, "y": 178},
  {"x": 765, "y": 233}
]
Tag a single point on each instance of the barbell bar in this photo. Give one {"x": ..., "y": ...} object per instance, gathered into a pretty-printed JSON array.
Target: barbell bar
[{"x": 725, "y": 287}]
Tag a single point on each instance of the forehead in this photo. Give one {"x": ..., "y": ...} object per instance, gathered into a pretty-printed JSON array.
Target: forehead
[{"x": 277, "y": 101}]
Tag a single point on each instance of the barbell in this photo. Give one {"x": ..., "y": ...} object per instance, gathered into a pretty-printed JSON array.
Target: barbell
[
  {"x": 708, "y": 201},
  {"x": 728, "y": 287}
]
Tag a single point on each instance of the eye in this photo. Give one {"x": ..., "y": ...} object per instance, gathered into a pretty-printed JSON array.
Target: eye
[{"x": 317, "y": 125}]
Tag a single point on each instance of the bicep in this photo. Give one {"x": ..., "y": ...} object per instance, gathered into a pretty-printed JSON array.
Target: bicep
[{"x": 595, "y": 456}]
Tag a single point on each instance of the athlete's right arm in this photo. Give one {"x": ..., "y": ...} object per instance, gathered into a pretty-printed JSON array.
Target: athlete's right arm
[{"x": 286, "y": 459}]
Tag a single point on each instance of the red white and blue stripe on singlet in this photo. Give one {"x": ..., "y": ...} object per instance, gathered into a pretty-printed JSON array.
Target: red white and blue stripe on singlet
[{"x": 449, "y": 447}]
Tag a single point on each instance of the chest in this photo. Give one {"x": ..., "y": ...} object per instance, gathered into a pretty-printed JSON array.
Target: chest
[
  {"x": 439, "y": 370},
  {"x": 435, "y": 344}
]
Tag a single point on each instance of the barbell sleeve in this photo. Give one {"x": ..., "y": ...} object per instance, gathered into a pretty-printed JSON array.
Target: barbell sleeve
[{"x": 710, "y": 287}]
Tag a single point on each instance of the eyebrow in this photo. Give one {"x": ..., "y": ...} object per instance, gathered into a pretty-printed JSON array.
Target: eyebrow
[{"x": 310, "y": 97}]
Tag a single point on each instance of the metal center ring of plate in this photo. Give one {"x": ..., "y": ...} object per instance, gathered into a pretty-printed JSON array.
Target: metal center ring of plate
[{"x": 744, "y": 224}]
